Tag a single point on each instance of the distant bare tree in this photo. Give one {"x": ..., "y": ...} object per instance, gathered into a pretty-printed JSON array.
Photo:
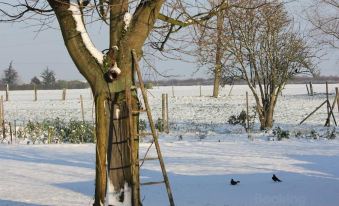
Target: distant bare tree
[
  {"x": 266, "y": 52},
  {"x": 324, "y": 16},
  {"x": 210, "y": 47},
  {"x": 212, "y": 39}
]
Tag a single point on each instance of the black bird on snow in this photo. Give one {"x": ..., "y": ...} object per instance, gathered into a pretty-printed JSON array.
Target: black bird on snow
[
  {"x": 234, "y": 182},
  {"x": 275, "y": 178}
]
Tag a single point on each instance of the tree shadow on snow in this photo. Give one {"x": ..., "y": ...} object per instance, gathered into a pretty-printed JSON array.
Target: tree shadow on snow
[
  {"x": 85, "y": 187},
  {"x": 16, "y": 203},
  {"x": 31, "y": 154},
  {"x": 323, "y": 166},
  {"x": 304, "y": 187}
]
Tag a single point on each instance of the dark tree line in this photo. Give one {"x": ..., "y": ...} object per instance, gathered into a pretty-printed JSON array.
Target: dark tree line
[{"x": 46, "y": 80}]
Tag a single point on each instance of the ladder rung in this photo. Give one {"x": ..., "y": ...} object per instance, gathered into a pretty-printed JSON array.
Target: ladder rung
[
  {"x": 144, "y": 134},
  {"x": 149, "y": 158},
  {"x": 139, "y": 111},
  {"x": 152, "y": 183}
]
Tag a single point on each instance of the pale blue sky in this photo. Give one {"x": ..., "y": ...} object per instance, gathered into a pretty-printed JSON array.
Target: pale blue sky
[{"x": 32, "y": 55}]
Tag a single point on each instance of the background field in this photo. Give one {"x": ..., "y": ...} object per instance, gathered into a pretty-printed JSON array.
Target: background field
[{"x": 200, "y": 163}]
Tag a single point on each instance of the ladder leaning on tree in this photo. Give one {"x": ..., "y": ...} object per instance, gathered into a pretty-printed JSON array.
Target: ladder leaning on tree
[{"x": 153, "y": 133}]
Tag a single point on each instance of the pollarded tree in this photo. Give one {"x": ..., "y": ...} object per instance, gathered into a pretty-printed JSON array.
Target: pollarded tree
[
  {"x": 130, "y": 23},
  {"x": 35, "y": 80},
  {"x": 266, "y": 52},
  {"x": 10, "y": 75}
]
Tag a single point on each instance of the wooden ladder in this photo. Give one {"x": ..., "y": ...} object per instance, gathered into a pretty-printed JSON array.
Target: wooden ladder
[{"x": 153, "y": 133}]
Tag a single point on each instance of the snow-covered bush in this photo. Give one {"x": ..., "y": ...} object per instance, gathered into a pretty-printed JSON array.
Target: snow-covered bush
[
  {"x": 280, "y": 133},
  {"x": 240, "y": 119},
  {"x": 57, "y": 130},
  {"x": 149, "y": 85},
  {"x": 160, "y": 125},
  {"x": 331, "y": 134},
  {"x": 142, "y": 125}
]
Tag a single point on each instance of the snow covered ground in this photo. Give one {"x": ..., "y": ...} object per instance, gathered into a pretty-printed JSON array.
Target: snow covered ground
[{"x": 200, "y": 165}]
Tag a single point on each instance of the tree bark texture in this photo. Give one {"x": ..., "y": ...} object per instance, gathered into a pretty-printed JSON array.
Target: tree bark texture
[{"x": 218, "y": 55}]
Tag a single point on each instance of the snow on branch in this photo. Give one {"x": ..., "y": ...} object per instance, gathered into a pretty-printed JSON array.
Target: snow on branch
[{"x": 80, "y": 27}]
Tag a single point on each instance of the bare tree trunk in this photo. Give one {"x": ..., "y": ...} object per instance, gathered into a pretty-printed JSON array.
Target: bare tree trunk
[
  {"x": 120, "y": 157},
  {"x": 218, "y": 55},
  {"x": 101, "y": 111},
  {"x": 266, "y": 113}
]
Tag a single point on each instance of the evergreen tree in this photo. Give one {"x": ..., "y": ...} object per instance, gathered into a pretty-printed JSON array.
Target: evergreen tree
[
  {"x": 10, "y": 75},
  {"x": 48, "y": 77}
]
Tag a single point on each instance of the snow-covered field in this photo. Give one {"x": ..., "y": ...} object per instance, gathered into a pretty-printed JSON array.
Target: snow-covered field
[{"x": 200, "y": 165}]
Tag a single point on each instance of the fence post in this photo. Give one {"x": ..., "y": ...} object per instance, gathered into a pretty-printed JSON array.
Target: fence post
[
  {"x": 10, "y": 132},
  {"x": 64, "y": 94},
  {"x": 3, "y": 129},
  {"x": 311, "y": 89},
  {"x": 2, "y": 118},
  {"x": 15, "y": 128},
  {"x": 229, "y": 94},
  {"x": 167, "y": 123},
  {"x": 200, "y": 91},
  {"x": 337, "y": 95},
  {"x": 308, "y": 91},
  {"x": 247, "y": 113},
  {"x": 49, "y": 135},
  {"x": 35, "y": 93},
  {"x": 163, "y": 108},
  {"x": 82, "y": 108},
  {"x": 1, "y": 108},
  {"x": 7, "y": 91},
  {"x": 328, "y": 123}
]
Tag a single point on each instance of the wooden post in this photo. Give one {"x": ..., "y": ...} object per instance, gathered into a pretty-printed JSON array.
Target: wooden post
[
  {"x": 163, "y": 109},
  {"x": 311, "y": 89},
  {"x": 49, "y": 135},
  {"x": 64, "y": 94},
  {"x": 247, "y": 113},
  {"x": 167, "y": 122},
  {"x": 316, "y": 109},
  {"x": 200, "y": 91},
  {"x": 7, "y": 91},
  {"x": 331, "y": 110},
  {"x": 308, "y": 91},
  {"x": 82, "y": 108},
  {"x": 35, "y": 93},
  {"x": 3, "y": 129},
  {"x": 229, "y": 94},
  {"x": 337, "y": 95},
  {"x": 15, "y": 128},
  {"x": 3, "y": 118},
  {"x": 328, "y": 121},
  {"x": 10, "y": 132},
  {"x": 1, "y": 109}
]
